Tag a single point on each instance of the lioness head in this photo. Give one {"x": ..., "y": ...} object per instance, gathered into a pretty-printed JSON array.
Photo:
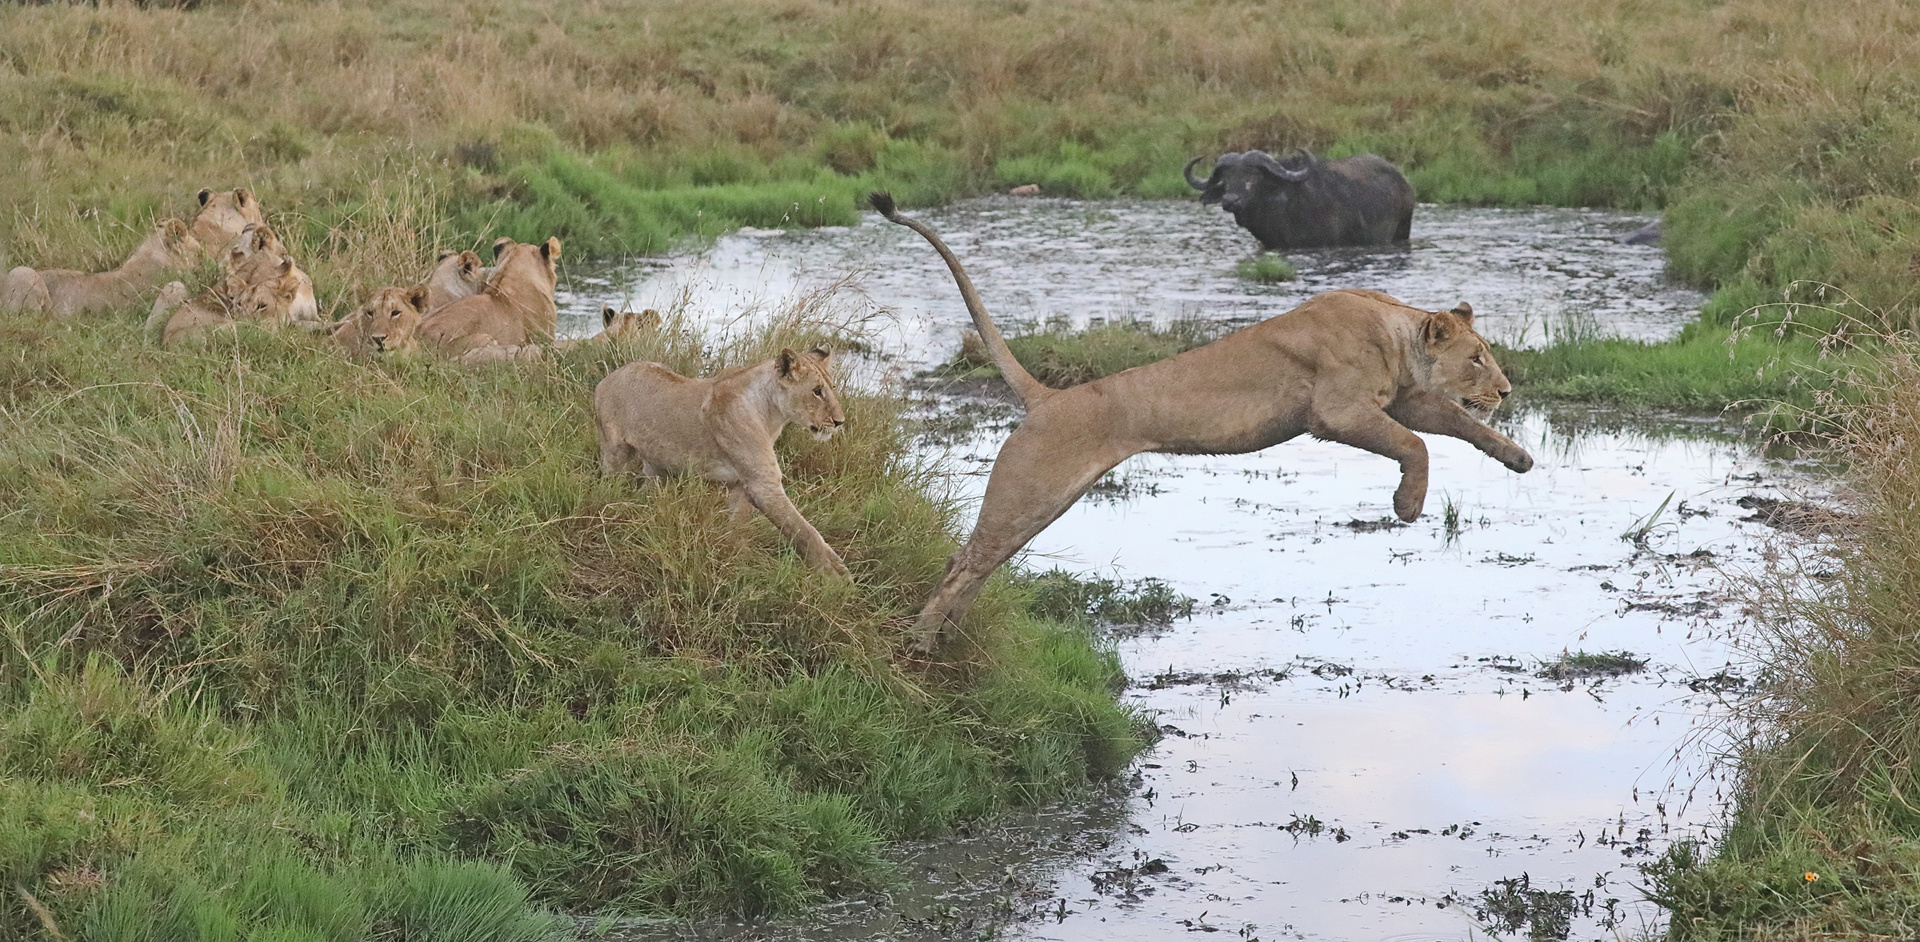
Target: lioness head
[
  {"x": 626, "y": 325},
  {"x": 385, "y": 324},
  {"x": 172, "y": 244},
  {"x": 283, "y": 297},
  {"x": 1463, "y": 366},
  {"x": 223, "y": 215},
  {"x": 807, "y": 394},
  {"x": 460, "y": 273},
  {"x": 537, "y": 265}
]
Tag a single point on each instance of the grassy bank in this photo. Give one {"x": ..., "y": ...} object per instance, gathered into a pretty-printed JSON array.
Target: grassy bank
[
  {"x": 301, "y": 648},
  {"x": 1825, "y": 838}
]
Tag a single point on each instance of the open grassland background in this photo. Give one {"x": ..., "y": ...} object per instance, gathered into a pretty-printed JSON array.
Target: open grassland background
[
  {"x": 300, "y": 648},
  {"x": 1779, "y": 131}
]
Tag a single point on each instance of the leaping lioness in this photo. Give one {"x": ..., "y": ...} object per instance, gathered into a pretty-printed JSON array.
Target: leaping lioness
[{"x": 1352, "y": 366}]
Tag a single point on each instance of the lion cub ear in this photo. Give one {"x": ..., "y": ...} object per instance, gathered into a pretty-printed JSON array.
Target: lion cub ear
[
  {"x": 787, "y": 359},
  {"x": 550, "y": 249},
  {"x": 418, "y": 298},
  {"x": 607, "y": 314},
  {"x": 1465, "y": 311},
  {"x": 500, "y": 245}
]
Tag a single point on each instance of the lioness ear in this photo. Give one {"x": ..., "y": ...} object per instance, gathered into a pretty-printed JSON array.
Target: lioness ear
[
  {"x": 787, "y": 360},
  {"x": 550, "y": 249},
  {"x": 205, "y": 195},
  {"x": 243, "y": 196},
  {"x": 1439, "y": 327},
  {"x": 500, "y": 245},
  {"x": 469, "y": 262},
  {"x": 418, "y": 298},
  {"x": 286, "y": 267},
  {"x": 1465, "y": 311},
  {"x": 607, "y": 314},
  {"x": 821, "y": 353},
  {"x": 442, "y": 256}
]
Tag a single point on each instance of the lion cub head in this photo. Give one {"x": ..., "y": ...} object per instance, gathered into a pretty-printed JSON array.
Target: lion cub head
[
  {"x": 625, "y": 325},
  {"x": 224, "y": 215},
  {"x": 807, "y": 396},
  {"x": 383, "y": 325},
  {"x": 1463, "y": 367},
  {"x": 281, "y": 297}
]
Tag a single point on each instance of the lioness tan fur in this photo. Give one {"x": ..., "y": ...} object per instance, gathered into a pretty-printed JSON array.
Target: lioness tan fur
[
  {"x": 385, "y": 324},
  {"x": 1356, "y": 367},
  {"x": 268, "y": 303},
  {"x": 456, "y": 275},
  {"x": 616, "y": 325},
  {"x": 255, "y": 258},
  {"x": 515, "y": 310},
  {"x": 223, "y": 216},
  {"x": 656, "y": 422},
  {"x": 65, "y": 293}
]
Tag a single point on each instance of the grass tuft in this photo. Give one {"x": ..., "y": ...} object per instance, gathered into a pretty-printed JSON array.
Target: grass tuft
[{"x": 1266, "y": 268}]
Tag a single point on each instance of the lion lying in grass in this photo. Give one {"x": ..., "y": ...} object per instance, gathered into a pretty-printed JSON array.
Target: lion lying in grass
[
  {"x": 223, "y": 216},
  {"x": 269, "y": 303},
  {"x": 509, "y": 318},
  {"x": 456, "y": 275},
  {"x": 655, "y": 422},
  {"x": 386, "y": 324},
  {"x": 65, "y": 293},
  {"x": 1356, "y": 367}
]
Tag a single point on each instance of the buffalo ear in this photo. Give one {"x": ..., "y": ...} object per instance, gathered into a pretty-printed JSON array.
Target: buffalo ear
[
  {"x": 418, "y": 298},
  {"x": 205, "y": 195},
  {"x": 607, "y": 314},
  {"x": 786, "y": 361},
  {"x": 500, "y": 245},
  {"x": 1465, "y": 312}
]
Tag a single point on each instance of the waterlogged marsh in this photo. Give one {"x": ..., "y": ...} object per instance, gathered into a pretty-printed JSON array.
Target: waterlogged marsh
[{"x": 1363, "y": 735}]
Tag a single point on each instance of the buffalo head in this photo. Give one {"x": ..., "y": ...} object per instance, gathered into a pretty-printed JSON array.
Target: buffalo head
[{"x": 1238, "y": 177}]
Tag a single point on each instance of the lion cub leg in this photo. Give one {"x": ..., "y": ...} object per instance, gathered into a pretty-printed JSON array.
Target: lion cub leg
[
  {"x": 770, "y": 498},
  {"x": 1366, "y": 427}
]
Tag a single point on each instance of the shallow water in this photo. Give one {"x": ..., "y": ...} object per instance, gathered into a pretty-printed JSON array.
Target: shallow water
[
  {"x": 1527, "y": 272},
  {"x": 1356, "y": 742}
]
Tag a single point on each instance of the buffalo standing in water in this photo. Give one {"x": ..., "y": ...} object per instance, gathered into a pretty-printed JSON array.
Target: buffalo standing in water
[{"x": 1304, "y": 202}]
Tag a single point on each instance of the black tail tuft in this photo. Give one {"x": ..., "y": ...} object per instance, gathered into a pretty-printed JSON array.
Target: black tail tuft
[{"x": 882, "y": 203}]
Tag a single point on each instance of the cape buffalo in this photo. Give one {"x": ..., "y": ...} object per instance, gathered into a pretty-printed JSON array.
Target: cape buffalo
[{"x": 1304, "y": 202}]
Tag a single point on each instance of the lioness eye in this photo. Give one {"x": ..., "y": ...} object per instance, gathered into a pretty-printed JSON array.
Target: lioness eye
[{"x": 820, "y": 391}]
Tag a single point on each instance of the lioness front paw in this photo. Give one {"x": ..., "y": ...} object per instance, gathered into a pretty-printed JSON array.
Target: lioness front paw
[
  {"x": 1407, "y": 504},
  {"x": 1518, "y": 461}
]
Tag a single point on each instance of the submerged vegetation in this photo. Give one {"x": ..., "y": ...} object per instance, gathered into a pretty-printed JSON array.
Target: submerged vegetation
[
  {"x": 338, "y": 650},
  {"x": 1266, "y": 268}
]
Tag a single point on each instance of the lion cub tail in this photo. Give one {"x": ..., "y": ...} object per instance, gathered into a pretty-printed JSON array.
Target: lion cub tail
[{"x": 1030, "y": 390}]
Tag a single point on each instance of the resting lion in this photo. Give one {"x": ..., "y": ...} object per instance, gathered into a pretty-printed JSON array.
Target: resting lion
[
  {"x": 617, "y": 326},
  {"x": 655, "y": 422},
  {"x": 385, "y": 324},
  {"x": 269, "y": 303},
  {"x": 256, "y": 257},
  {"x": 223, "y": 216},
  {"x": 513, "y": 312},
  {"x": 65, "y": 293},
  {"x": 456, "y": 275},
  {"x": 1355, "y": 367}
]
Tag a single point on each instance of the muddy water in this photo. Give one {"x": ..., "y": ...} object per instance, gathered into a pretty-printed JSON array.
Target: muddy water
[{"x": 1357, "y": 741}]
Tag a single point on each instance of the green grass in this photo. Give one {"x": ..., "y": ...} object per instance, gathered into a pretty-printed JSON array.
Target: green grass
[
  {"x": 1266, "y": 268},
  {"x": 1824, "y": 839},
  {"x": 1581, "y": 665},
  {"x": 298, "y": 647},
  {"x": 1062, "y": 357}
]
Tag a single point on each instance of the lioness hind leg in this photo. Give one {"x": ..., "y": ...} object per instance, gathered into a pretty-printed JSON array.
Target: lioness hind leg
[
  {"x": 1034, "y": 481},
  {"x": 616, "y": 456}
]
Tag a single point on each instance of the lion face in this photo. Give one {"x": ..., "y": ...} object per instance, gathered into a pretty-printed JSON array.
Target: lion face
[
  {"x": 277, "y": 300},
  {"x": 386, "y": 323},
  {"x": 224, "y": 215},
  {"x": 1463, "y": 366},
  {"x": 626, "y": 325},
  {"x": 807, "y": 394}
]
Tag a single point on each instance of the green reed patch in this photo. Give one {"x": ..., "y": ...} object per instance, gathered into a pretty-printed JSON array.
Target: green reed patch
[{"x": 302, "y": 647}]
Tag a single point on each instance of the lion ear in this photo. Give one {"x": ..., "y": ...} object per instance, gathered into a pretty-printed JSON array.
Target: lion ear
[
  {"x": 607, "y": 314},
  {"x": 470, "y": 262},
  {"x": 286, "y": 266},
  {"x": 500, "y": 245},
  {"x": 787, "y": 360},
  {"x": 550, "y": 249},
  {"x": 205, "y": 195},
  {"x": 1465, "y": 312},
  {"x": 821, "y": 353},
  {"x": 442, "y": 256},
  {"x": 1440, "y": 327},
  {"x": 418, "y": 298},
  {"x": 243, "y": 196}
]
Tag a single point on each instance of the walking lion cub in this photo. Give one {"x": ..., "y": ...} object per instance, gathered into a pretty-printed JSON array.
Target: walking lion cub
[
  {"x": 656, "y": 423},
  {"x": 1355, "y": 367}
]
